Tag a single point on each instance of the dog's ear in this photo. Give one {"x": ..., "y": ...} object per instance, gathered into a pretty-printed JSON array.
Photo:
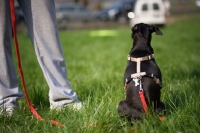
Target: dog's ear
[
  {"x": 138, "y": 29},
  {"x": 155, "y": 29},
  {"x": 134, "y": 28}
]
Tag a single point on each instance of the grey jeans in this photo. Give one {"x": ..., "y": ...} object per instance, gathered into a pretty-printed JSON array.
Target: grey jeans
[{"x": 42, "y": 28}]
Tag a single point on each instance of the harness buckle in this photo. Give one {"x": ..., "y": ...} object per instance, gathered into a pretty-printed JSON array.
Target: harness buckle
[
  {"x": 141, "y": 89},
  {"x": 138, "y": 81}
]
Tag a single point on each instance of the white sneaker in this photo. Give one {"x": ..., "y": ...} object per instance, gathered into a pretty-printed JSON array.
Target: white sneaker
[
  {"x": 7, "y": 111},
  {"x": 76, "y": 105}
]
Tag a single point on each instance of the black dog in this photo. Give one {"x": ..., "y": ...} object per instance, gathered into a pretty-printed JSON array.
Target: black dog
[{"x": 141, "y": 74}]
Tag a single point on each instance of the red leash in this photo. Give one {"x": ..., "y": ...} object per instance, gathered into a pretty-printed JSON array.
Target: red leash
[
  {"x": 142, "y": 98},
  {"x": 35, "y": 113},
  {"x": 145, "y": 107},
  {"x": 144, "y": 103}
]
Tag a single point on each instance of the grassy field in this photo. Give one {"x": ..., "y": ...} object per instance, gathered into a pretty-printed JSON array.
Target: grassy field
[{"x": 95, "y": 69}]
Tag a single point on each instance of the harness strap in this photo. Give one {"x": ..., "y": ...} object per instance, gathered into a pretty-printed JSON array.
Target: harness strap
[
  {"x": 138, "y": 65},
  {"x": 149, "y": 57},
  {"x": 138, "y": 74},
  {"x": 135, "y": 75},
  {"x": 157, "y": 80}
]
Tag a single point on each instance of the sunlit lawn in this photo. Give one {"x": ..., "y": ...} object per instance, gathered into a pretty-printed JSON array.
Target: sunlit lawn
[{"x": 96, "y": 61}]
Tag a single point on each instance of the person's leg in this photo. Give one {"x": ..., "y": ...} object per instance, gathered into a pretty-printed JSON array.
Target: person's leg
[
  {"x": 42, "y": 27},
  {"x": 9, "y": 91}
]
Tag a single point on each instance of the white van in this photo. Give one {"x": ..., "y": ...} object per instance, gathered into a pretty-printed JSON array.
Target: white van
[{"x": 149, "y": 12}]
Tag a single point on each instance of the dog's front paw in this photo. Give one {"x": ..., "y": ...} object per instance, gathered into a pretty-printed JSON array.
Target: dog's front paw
[{"x": 160, "y": 110}]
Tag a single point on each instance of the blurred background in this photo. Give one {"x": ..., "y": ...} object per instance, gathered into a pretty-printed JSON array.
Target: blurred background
[{"x": 101, "y": 14}]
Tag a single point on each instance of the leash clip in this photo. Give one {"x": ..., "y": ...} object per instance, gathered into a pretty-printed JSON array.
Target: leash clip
[
  {"x": 137, "y": 80},
  {"x": 140, "y": 80}
]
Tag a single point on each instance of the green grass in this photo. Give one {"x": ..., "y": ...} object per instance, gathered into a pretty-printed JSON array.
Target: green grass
[{"x": 95, "y": 70}]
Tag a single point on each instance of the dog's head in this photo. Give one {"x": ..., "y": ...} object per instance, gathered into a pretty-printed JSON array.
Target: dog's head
[
  {"x": 141, "y": 34},
  {"x": 142, "y": 30}
]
